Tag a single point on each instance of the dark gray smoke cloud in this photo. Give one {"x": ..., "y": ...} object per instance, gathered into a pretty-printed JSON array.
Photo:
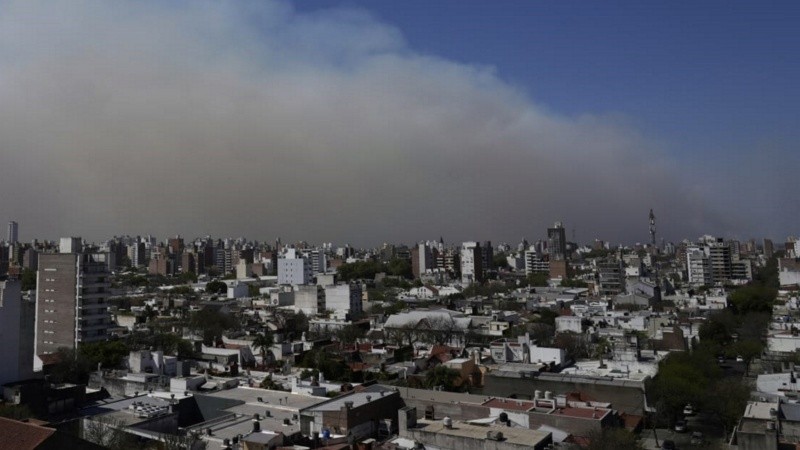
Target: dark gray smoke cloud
[{"x": 252, "y": 119}]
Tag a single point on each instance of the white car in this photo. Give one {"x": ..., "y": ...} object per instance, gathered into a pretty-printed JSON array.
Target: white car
[
  {"x": 739, "y": 359},
  {"x": 688, "y": 410}
]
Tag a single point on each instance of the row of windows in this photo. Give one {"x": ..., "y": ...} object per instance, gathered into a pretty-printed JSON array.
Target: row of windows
[
  {"x": 49, "y": 310},
  {"x": 49, "y": 300},
  {"x": 50, "y": 321},
  {"x": 49, "y": 332}
]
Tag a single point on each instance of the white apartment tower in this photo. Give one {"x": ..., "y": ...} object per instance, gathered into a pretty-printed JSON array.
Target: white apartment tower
[
  {"x": 471, "y": 268},
  {"x": 293, "y": 269},
  {"x": 344, "y": 300}
]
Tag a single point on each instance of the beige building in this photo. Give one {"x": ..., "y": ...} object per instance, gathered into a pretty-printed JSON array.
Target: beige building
[{"x": 71, "y": 300}]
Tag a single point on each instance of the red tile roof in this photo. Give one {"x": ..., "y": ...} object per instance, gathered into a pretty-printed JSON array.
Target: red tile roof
[
  {"x": 50, "y": 358},
  {"x": 22, "y": 436}
]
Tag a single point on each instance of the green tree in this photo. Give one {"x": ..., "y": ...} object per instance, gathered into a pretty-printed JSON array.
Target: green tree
[
  {"x": 333, "y": 368},
  {"x": 500, "y": 260},
  {"x": 613, "y": 439},
  {"x": 753, "y": 298},
  {"x": 683, "y": 378},
  {"x": 16, "y": 412},
  {"x": 263, "y": 343},
  {"x": 28, "y": 279},
  {"x": 443, "y": 376},
  {"x": 216, "y": 287},
  {"x": 400, "y": 268},
  {"x": 188, "y": 277},
  {"x": 727, "y": 400},
  {"x": 109, "y": 354},
  {"x": 72, "y": 367},
  {"x": 211, "y": 324},
  {"x": 538, "y": 279},
  {"x": 748, "y": 349},
  {"x": 349, "y": 334},
  {"x": 566, "y": 282}
]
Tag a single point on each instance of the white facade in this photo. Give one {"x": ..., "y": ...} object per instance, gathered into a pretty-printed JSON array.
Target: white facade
[
  {"x": 534, "y": 263},
  {"x": 70, "y": 245},
  {"x": 309, "y": 299},
  {"x": 788, "y": 272},
  {"x": 469, "y": 257},
  {"x": 698, "y": 266},
  {"x": 144, "y": 361},
  {"x": 783, "y": 342},
  {"x": 568, "y": 323},
  {"x": 548, "y": 355},
  {"x": 344, "y": 299},
  {"x": 294, "y": 269}
]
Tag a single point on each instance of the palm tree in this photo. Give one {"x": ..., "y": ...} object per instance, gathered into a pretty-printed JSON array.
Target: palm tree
[{"x": 263, "y": 342}]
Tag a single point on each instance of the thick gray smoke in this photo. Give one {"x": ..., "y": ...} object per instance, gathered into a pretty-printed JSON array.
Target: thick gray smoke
[{"x": 251, "y": 119}]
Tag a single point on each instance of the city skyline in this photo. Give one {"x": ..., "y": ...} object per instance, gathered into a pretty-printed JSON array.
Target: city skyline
[{"x": 347, "y": 122}]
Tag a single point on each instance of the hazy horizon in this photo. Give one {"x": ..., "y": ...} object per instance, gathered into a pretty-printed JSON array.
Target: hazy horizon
[{"x": 334, "y": 123}]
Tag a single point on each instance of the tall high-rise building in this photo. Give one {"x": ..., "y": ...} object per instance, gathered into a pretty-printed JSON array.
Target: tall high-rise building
[
  {"x": 698, "y": 267},
  {"x": 16, "y": 334},
  {"x": 471, "y": 263},
  {"x": 421, "y": 259},
  {"x": 70, "y": 245},
  {"x": 344, "y": 300},
  {"x": 719, "y": 255},
  {"x": 769, "y": 248},
  {"x": 294, "y": 269},
  {"x": 13, "y": 232},
  {"x": 610, "y": 276},
  {"x": 71, "y": 294},
  {"x": 487, "y": 255},
  {"x": 557, "y": 241}
]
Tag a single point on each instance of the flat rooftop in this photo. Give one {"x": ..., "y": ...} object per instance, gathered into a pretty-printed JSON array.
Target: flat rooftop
[
  {"x": 358, "y": 399},
  {"x": 279, "y": 399},
  {"x": 760, "y": 410},
  {"x": 509, "y": 404},
  {"x": 511, "y": 435}
]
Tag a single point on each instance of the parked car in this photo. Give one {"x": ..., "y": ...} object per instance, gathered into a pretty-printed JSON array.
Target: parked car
[
  {"x": 688, "y": 410},
  {"x": 668, "y": 445},
  {"x": 680, "y": 426},
  {"x": 739, "y": 358},
  {"x": 697, "y": 438}
]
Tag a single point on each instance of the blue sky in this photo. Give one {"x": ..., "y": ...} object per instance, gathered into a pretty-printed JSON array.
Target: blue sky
[{"x": 703, "y": 77}]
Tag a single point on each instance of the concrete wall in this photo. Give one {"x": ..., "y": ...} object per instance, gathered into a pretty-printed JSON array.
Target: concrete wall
[
  {"x": 627, "y": 396},
  {"x": 55, "y": 302}
]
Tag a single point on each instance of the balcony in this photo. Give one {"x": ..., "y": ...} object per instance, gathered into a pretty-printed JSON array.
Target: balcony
[
  {"x": 94, "y": 316},
  {"x": 94, "y": 295},
  {"x": 92, "y": 285}
]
